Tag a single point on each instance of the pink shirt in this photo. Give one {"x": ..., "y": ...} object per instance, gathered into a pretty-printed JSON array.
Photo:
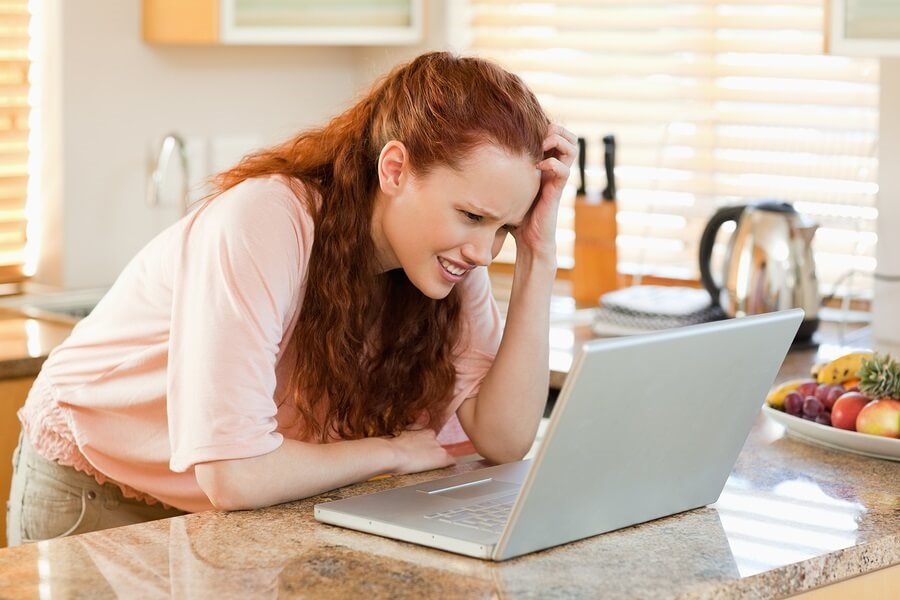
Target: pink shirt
[{"x": 185, "y": 358}]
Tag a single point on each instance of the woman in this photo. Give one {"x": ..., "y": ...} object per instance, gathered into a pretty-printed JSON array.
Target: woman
[{"x": 318, "y": 321}]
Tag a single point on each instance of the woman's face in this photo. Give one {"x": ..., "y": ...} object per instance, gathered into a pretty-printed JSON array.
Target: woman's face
[{"x": 440, "y": 226}]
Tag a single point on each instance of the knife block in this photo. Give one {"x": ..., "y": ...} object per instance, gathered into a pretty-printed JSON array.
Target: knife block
[{"x": 595, "y": 271}]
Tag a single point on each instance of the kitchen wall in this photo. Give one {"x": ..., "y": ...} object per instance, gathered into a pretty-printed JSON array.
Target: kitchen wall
[
  {"x": 886, "y": 309},
  {"x": 109, "y": 98}
]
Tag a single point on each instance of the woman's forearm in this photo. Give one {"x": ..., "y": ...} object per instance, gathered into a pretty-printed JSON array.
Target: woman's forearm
[
  {"x": 299, "y": 469},
  {"x": 503, "y": 419},
  {"x": 294, "y": 470}
]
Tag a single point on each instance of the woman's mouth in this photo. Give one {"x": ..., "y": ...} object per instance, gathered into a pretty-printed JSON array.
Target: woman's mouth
[{"x": 452, "y": 269}]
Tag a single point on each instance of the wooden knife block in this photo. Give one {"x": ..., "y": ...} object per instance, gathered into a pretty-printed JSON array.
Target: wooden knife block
[{"x": 595, "y": 271}]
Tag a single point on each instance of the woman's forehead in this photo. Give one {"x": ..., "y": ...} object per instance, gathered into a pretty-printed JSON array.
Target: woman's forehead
[{"x": 500, "y": 183}]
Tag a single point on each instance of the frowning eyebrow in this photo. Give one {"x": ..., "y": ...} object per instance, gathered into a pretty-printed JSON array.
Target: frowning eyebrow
[{"x": 490, "y": 215}]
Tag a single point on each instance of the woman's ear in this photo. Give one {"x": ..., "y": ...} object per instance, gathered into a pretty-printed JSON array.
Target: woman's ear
[{"x": 392, "y": 167}]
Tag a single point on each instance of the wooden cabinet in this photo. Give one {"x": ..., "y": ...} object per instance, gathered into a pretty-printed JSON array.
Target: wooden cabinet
[
  {"x": 282, "y": 22},
  {"x": 878, "y": 584},
  {"x": 12, "y": 396},
  {"x": 25, "y": 343},
  {"x": 862, "y": 27}
]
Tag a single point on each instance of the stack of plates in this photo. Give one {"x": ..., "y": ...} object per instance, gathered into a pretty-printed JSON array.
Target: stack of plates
[{"x": 644, "y": 308}]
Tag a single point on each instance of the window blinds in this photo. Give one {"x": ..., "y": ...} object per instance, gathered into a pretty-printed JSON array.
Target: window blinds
[
  {"x": 14, "y": 19},
  {"x": 712, "y": 103}
]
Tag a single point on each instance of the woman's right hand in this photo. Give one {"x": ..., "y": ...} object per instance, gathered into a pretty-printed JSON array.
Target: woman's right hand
[{"x": 418, "y": 450}]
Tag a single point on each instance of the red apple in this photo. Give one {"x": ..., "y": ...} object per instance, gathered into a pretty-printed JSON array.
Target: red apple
[
  {"x": 846, "y": 408},
  {"x": 880, "y": 417}
]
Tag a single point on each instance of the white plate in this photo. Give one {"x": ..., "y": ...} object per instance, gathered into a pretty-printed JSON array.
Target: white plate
[{"x": 839, "y": 439}]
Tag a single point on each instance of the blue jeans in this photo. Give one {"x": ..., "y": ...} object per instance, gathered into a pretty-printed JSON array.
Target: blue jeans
[{"x": 48, "y": 500}]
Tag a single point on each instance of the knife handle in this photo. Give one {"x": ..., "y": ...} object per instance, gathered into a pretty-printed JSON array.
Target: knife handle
[
  {"x": 609, "y": 163},
  {"x": 581, "y": 191}
]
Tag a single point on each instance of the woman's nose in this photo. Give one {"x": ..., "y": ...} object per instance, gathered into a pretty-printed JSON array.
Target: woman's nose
[{"x": 479, "y": 250}]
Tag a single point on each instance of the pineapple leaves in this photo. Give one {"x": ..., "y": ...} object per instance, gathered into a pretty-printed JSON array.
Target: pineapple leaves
[{"x": 879, "y": 377}]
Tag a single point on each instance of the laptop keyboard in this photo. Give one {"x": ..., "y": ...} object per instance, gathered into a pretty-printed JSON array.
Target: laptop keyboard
[{"x": 490, "y": 515}]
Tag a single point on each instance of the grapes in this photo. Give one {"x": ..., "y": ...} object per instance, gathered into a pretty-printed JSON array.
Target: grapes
[
  {"x": 793, "y": 403},
  {"x": 807, "y": 389},
  {"x": 833, "y": 394},
  {"x": 812, "y": 407},
  {"x": 813, "y": 401}
]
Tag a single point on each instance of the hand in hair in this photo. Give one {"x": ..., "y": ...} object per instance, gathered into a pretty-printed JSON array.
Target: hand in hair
[
  {"x": 502, "y": 420},
  {"x": 538, "y": 234}
]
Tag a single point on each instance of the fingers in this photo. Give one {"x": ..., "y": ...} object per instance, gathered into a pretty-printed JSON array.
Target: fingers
[
  {"x": 422, "y": 451},
  {"x": 561, "y": 143},
  {"x": 555, "y": 167},
  {"x": 448, "y": 460},
  {"x": 562, "y": 131}
]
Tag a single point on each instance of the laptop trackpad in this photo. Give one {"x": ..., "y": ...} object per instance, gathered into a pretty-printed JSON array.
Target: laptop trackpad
[{"x": 474, "y": 489}]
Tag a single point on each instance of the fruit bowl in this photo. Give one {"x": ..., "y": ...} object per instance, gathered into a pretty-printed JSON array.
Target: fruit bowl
[{"x": 839, "y": 439}]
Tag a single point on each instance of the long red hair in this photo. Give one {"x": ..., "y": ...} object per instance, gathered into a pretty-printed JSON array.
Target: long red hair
[{"x": 375, "y": 355}]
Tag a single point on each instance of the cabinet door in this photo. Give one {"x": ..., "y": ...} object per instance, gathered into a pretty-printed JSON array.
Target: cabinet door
[
  {"x": 180, "y": 21},
  {"x": 12, "y": 396},
  {"x": 863, "y": 27},
  {"x": 324, "y": 22}
]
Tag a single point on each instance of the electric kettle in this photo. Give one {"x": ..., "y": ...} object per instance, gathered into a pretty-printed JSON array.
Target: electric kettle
[{"x": 768, "y": 265}]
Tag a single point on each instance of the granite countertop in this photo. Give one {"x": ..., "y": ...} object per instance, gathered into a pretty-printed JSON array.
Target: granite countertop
[{"x": 793, "y": 517}]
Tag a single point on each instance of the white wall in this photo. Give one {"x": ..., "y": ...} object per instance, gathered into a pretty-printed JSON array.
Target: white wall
[
  {"x": 109, "y": 98},
  {"x": 886, "y": 307}
]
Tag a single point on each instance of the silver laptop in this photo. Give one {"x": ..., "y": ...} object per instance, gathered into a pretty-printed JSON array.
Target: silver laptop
[{"x": 644, "y": 427}]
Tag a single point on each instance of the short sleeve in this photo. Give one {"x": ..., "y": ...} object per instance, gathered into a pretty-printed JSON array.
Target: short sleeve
[
  {"x": 236, "y": 287},
  {"x": 479, "y": 340}
]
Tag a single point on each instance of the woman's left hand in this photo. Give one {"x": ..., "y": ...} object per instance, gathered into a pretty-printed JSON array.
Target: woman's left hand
[{"x": 538, "y": 233}]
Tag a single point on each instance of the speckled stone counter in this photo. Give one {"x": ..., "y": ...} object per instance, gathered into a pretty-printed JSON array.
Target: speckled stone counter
[{"x": 793, "y": 517}]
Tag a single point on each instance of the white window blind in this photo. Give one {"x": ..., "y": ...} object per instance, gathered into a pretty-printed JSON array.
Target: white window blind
[
  {"x": 711, "y": 103},
  {"x": 14, "y": 20}
]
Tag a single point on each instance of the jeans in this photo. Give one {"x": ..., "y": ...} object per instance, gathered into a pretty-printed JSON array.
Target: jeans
[{"x": 48, "y": 500}]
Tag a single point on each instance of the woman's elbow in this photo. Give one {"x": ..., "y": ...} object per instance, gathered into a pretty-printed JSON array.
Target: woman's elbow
[
  {"x": 221, "y": 485},
  {"x": 502, "y": 454}
]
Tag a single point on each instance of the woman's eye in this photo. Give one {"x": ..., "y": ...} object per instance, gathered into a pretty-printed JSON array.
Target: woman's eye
[{"x": 471, "y": 216}]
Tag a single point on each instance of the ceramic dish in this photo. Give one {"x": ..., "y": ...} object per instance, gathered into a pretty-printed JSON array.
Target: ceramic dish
[{"x": 839, "y": 439}]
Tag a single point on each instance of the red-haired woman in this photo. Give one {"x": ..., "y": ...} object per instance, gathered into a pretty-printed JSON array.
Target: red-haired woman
[{"x": 318, "y": 321}]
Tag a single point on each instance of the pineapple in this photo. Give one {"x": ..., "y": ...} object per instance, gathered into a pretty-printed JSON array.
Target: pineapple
[{"x": 879, "y": 377}]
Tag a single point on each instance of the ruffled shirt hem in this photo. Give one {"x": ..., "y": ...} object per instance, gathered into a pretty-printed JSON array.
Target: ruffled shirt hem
[{"x": 49, "y": 429}]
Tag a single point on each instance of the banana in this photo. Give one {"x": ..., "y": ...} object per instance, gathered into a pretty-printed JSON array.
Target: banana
[
  {"x": 843, "y": 368},
  {"x": 775, "y": 399},
  {"x": 814, "y": 371}
]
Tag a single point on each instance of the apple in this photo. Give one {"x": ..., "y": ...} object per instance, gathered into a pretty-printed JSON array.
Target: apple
[
  {"x": 846, "y": 408},
  {"x": 880, "y": 417}
]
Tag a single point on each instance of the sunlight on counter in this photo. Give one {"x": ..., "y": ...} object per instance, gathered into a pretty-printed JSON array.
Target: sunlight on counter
[{"x": 793, "y": 521}]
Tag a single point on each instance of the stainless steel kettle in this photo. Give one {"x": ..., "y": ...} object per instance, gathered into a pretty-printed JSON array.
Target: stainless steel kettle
[{"x": 768, "y": 265}]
